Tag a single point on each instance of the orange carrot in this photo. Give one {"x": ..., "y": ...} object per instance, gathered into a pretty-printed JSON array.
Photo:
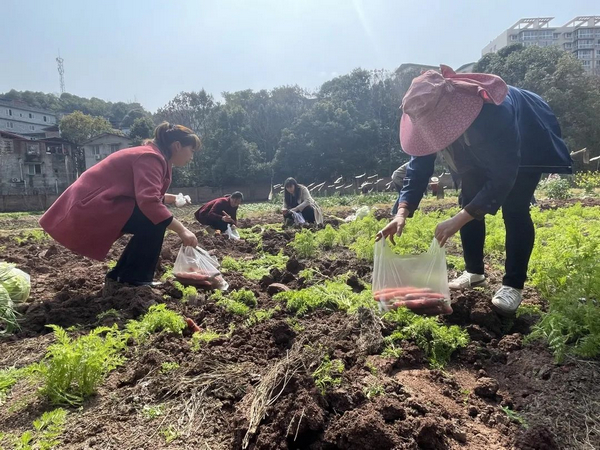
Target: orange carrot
[
  {"x": 401, "y": 290},
  {"x": 192, "y": 325},
  {"x": 424, "y": 303},
  {"x": 423, "y": 295}
]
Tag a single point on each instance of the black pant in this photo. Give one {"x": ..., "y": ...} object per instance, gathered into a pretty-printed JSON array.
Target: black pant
[
  {"x": 308, "y": 213},
  {"x": 138, "y": 262},
  {"x": 217, "y": 224},
  {"x": 520, "y": 233}
]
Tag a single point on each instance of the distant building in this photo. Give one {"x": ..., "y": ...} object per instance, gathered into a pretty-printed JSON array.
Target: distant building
[
  {"x": 35, "y": 166},
  {"x": 19, "y": 118},
  {"x": 99, "y": 147},
  {"x": 581, "y": 36}
]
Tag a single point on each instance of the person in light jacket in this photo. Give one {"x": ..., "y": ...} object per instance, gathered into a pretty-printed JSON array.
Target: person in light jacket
[
  {"x": 498, "y": 140},
  {"x": 125, "y": 194},
  {"x": 297, "y": 199}
]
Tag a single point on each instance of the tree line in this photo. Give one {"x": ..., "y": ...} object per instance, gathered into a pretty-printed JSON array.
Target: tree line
[{"x": 346, "y": 127}]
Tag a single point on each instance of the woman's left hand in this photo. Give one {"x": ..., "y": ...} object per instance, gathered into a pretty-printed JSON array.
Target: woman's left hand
[{"x": 448, "y": 228}]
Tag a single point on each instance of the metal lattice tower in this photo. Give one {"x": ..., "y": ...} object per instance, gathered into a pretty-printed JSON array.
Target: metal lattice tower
[{"x": 61, "y": 73}]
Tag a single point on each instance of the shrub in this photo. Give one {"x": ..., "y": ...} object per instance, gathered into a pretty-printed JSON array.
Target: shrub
[
  {"x": 327, "y": 237},
  {"x": 588, "y": 181},
  {"x": 558, "y": 189}
]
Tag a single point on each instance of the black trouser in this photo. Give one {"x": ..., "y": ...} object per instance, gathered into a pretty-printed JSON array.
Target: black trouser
[
  {"x": 217, "y": 224},
  {"x": 520, "y": 233},
  {"x": 308, "y": 213},
  {"x": 138, "y": 262}
]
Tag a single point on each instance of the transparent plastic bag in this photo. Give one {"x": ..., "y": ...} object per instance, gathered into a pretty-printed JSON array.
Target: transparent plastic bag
[
  {"x": 182, "y": 200},
  {"x": 16, "y": 282},
  {"x": 195, "y": 267},
  {"x": 298, "y": 218},
  {"x": 418, "y": 282},
  {"x": 232, "y": 233},
  {"x": 362, "y": 212}
]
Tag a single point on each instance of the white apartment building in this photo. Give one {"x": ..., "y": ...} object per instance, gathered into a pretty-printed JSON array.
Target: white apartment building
[
  {"x": 580, "y": 36},
  {"x": 18, "y": 118}
]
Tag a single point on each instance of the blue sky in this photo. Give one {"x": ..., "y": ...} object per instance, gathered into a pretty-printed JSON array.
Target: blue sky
[{"x": 149, "y": 50}]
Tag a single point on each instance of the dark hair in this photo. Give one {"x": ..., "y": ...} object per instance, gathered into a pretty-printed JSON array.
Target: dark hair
[
  {"x": 237, "y": 194},
  {"x": 290, "y": 199},
  {"x": 165, "y": 134}
]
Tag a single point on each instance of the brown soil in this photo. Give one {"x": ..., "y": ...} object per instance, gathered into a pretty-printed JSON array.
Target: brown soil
[{"x": 211, "y": 399}]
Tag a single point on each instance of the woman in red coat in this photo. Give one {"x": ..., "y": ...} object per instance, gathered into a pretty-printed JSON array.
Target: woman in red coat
[{"x": 125, "y": 194}]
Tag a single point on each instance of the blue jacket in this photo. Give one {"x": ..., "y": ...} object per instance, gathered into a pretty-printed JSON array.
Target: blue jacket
[{"x": 521, "y": 134}]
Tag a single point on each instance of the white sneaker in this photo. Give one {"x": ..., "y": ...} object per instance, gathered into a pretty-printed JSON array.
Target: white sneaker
[
  {"x": 507, "y": 300},
  {"x": 467, "y": 280}
]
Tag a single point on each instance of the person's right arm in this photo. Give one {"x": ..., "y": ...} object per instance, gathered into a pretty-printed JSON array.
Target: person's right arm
[
  {"x": 147, "y": 179},
  {"x": 419, "y": 171},
  {"x": 217, "y": 212}
]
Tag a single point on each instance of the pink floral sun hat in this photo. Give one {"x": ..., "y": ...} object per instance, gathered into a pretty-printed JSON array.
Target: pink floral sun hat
[{"x": 439, "y": 107}]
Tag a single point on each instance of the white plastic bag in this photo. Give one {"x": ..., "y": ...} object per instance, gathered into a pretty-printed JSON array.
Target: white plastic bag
[
  {"x": 232, "y": 233},
  {"x": 16, "y": 282},
  {"x": 197, "y": 268},
  {"x": 298, "y": 218},
  {"x": 182, "y": 200},
  {"x": 418, "y": 282},
  {"x": 361, "y": 212}
]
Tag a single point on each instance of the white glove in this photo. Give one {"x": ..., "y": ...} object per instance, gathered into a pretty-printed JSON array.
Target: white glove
[{"x": 182, "y": 200}]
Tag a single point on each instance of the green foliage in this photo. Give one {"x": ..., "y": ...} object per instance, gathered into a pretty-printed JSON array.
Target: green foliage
[
  {"x": 588, "y": 181},
  {"x": 151, "y": 412},
  {"x": 244, "y": 296},
  {"x": 437, "y": 341},
  {"x": 170, "y": 433},
  {"x": 260, "y": 315},
  {"x": 327, "y": 237},
  {"x": 10, "y": 376},
  {"x": 167, "y": 367},
  {"x": 45, "y": 433},
  {"x": 142, "y": 128},
  {"x": 111, "y": 264},
  {"x": 527, "y": 309},
  {"x": 254, "y": 269},
  {"x": 204, "y": 337},
  {"x": 295, "y": 325},
  {"x": 68, "y": 103},
  {"x": 187, "y": 292},
  {"x": 558, "y": 188},
  {"x": 391, "y": 351},
  {"x": 251, "y": 236},
  {"x": 108, "y": 313},
  {"x": 328, "y": 374},
  {"x": 78, "y": 127},
  {"x": 305, "y": 244},
  {"x": 158, "y": 318},
  {"x": 333, "y": 294},
  {"x": 373, "y": 390},
  {"x": 515, "y": 417},
  {"x": 8, "y": 314},
  {"x": 234, "y": 302},
  {"x": 34, "y": 236},
  {"x": 168, "y": 275},
  {"x": 73, "y": 369},
  {"x": 308, "y": 273}
]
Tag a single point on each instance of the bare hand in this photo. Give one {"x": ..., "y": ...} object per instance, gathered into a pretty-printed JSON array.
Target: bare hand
[
  {"x": 227, "y": 219},
  {"x": 446, "y": 229},
  {"x": 188, "y": 238},
  {"x": 284, "y": 211},
  {"x": 394, "y": 228}
]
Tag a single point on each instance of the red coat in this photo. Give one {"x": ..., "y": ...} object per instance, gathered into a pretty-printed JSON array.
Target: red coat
[
  {"x": 89, "y": 216},
  {"x": 213, "y": 211}
]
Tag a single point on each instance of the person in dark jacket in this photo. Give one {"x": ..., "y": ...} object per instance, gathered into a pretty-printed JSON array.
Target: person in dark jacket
[
  {"x": 498, "y": 140},
  {"x": 220, "y": 212}
]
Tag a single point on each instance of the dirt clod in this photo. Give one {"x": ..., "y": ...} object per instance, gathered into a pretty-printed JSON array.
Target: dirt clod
[{"x": 486, "y": 387}]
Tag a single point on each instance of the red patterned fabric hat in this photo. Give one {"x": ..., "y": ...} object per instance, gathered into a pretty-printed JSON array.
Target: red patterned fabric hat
[{"x": 439, "y": 107}]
